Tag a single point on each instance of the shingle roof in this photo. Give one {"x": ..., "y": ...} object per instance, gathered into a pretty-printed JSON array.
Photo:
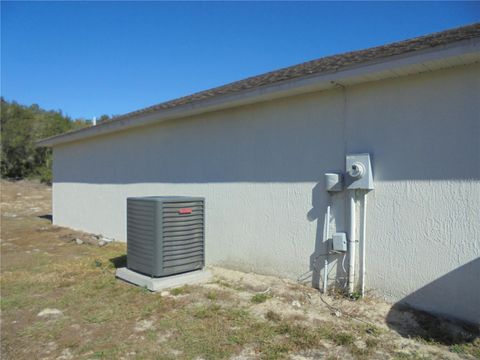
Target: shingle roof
[{"x": 325, "y": 65}]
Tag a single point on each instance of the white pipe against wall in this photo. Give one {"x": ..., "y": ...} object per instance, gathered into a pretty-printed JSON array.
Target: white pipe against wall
[
  {"x": 327, "y": 225},
  {"x": 351, "y": 242},
  {"x": 327, "y": 236},
  {"x": 325, "y": 276},
  {"x": 363, "y": 239}
]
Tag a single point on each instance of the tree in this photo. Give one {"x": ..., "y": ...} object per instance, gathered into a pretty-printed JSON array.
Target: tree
[
  {"x": 21, "y": 126},
  {"x": 103, "y": 118}
]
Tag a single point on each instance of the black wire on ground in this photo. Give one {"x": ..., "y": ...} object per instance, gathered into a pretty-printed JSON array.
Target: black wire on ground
[{"x": 334, "y": 309}]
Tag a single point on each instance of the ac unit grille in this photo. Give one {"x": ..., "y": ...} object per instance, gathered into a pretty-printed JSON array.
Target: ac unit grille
[
  {"x": 165, "y": 236},
  {"x": 141, "y": 228},
  {"x": 183, "y": 233}
]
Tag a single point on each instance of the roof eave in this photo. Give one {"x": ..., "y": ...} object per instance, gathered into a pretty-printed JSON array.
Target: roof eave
[{"x": 468, "y": 49}]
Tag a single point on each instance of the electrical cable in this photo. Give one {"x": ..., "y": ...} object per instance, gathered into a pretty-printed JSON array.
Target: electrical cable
[{"x": 335, "y": 310}]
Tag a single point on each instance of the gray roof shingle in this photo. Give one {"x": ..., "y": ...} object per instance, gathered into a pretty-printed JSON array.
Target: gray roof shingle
[
  {"x": 322, "y": 66},
  {"x": 325, "y": 65}
]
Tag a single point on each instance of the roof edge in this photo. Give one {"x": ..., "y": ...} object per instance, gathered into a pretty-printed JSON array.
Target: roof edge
[{"x": 305, "y": 84}]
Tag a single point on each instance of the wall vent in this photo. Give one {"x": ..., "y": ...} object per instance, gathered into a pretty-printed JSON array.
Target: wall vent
[{"x": 165, "y": 234}]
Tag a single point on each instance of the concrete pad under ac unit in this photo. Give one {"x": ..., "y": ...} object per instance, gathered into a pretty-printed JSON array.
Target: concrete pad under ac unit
[{"x": 163, "y": 283}]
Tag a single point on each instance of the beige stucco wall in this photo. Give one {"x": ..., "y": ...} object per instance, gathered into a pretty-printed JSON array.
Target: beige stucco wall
[{"x": 260, "y": 168}]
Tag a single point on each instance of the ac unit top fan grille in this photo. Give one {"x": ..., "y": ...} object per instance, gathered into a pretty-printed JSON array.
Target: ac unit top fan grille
[{"x": 165, "y": 235}]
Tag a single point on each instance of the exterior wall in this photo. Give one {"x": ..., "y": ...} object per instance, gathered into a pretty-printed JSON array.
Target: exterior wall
[{"x": 260, "y": 168}]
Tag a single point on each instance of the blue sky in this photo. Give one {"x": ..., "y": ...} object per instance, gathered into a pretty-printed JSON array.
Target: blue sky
[{"x": 95, "y": 58}]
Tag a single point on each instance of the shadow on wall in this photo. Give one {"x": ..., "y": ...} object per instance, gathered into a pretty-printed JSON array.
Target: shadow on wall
[
  {"x": 457, "y": 287},
  {"x": 204, "y": 168},
  {"x": 281, "y": 142},
  {"x": 320, "y": 201}
]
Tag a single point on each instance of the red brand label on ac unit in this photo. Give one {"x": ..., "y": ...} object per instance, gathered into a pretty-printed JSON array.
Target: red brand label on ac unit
[{"x": 185, "y": 211}]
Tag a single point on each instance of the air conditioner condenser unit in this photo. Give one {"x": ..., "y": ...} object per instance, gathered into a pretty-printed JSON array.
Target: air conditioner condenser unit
[{"x": 165, "y": 234}]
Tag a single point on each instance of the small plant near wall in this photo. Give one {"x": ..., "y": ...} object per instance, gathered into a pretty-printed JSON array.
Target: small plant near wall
[{"x": 355, "y": 295}]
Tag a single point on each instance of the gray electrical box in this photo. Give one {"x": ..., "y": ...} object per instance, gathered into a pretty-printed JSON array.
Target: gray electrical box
[
  {"x": 165, "y": 234},
  {"x": 333, "y": 182},
  {"x": 339, "y": 242},
  {"x": 359, "y": 172}
]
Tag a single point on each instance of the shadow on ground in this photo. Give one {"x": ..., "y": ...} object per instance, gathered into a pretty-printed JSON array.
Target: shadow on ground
[
  {"x": 412, "y": 323},
  {"x": 48, "y": 217},
  {"x": 119, "y": 261},
  {"x": 459, "y": 287}
]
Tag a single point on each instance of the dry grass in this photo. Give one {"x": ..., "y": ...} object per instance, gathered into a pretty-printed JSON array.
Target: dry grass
[{"x": 106, "y": 318}]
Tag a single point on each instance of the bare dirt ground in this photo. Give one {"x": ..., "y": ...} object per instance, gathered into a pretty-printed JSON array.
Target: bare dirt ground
[{"x": 60, "y": 300}]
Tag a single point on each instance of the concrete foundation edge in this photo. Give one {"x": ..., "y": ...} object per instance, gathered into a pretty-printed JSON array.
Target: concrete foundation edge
[{"x": 158, "y": 284}]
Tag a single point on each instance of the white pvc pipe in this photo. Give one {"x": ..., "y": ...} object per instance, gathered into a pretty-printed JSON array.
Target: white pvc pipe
[
  {"x": 351, "y": 242},
  {"x": 327, "y": 225},
  {"x": 325, "y": 276},
  {"x": 363, "y": 239},
  {"x": 327, "y": 236}
]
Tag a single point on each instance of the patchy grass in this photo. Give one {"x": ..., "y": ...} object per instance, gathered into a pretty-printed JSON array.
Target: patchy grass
[
  {"x": 468, "y": 349},
  {"x": 212, "y": 295},
  {"x": 180, "y": 290},
  {"x": 273, "y": 316},
  {"x": 104, "y": 318},
  {"x": 259, "y": 298}
]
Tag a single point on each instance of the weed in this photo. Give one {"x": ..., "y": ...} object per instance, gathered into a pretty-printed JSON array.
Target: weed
[
  {"x": 457, "y": 348},
  {"x": 211, "y": 295},
  {"x": 303, "y": 337},
  {"x": 152, "y": 335},
  {"x": 426, "y": 340},
  {"x": 235, "y": 339},
  {"x": 223, "y": 283},
  {"x": 273, "y": 316},
  {"x": 326, "y": 331},
  {"x": 98, "y": 354},
  {"x": 9, "y": 303},
  {"x": 470, "y": 348},
  {"x": 180, "y": 290},
  {"x": 355, "y": 295},
  {"x": 203, "y": 312},
  {"x": 344, "y": 339},
  {"x": 371, "y": 343},
  {"x": 230, "y": 285},
  {"x": 410, "y": 356},
  {"x": 238, "y": 316},
  {"x": 273, "y": 351},
  {"x": 99, "y": 316},
  {"x": 259, "y": 298}
]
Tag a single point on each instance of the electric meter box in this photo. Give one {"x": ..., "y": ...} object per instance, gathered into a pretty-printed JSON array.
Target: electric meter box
[{"x": 359, "y": 172}]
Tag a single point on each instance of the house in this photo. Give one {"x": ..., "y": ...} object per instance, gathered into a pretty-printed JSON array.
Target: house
[{"x": 258, "y": 150}]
